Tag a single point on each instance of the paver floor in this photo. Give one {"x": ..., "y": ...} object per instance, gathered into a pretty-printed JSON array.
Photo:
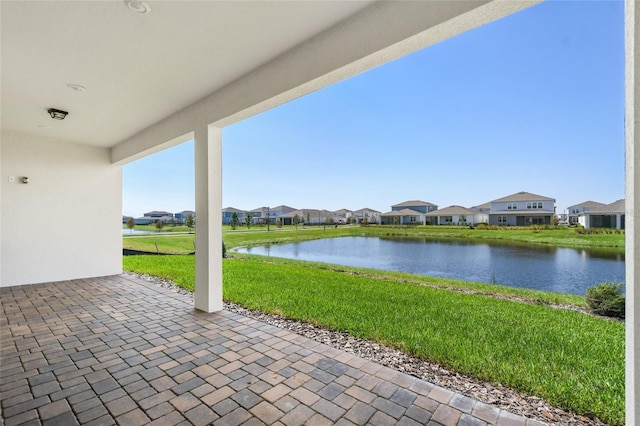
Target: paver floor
[{"x": 117, "y": 350}]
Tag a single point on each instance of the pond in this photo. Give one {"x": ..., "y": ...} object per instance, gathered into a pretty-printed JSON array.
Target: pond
[
  {"x": 563, "y": 270},
  {"x": 136, "y": 232}
]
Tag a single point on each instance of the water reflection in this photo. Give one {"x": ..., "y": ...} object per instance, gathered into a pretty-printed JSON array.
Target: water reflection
[{"x": 548, "y": 268}]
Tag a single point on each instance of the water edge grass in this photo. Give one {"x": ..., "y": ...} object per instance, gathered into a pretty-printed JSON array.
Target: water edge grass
[{"x": 573, "y": 360}]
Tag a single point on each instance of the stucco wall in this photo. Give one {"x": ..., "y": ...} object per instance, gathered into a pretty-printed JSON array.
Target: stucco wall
[{"x": 66, "y": 222}]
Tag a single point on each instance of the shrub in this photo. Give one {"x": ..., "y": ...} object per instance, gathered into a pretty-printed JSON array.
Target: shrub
[
  {"x": 606, "y": 299},
  {"x": 224, "y": 250}
]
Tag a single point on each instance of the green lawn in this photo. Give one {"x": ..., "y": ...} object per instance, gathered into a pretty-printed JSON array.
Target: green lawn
[
  {"x": 573, "y": 360},
  {"x": 570, "y": 359}
]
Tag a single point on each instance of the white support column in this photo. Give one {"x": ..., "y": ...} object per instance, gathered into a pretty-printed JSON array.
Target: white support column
[
  {"x": 208, "y": 170},
  {"x": 632, "y": 205}
]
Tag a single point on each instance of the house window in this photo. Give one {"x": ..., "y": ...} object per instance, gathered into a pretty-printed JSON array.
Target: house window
[
  {"x": 512, "y": 206},
  {"x": 575, "y": 211},
  {"x": 502, "y": 219},
  {"x": 534, "y": 204}
]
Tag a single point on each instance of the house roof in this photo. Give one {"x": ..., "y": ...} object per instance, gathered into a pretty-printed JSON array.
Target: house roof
[
  {"x": 523, "y": 196},
  {"x": 451, "y": 210},
  {"x": 615, "y": 207},
  {"x": 344, "y": 211},
  {"x": 403, "y": 212},
  {"x": 366, "y": 209},
  {"x": 486, "y": 205},
  {"x": 589, "y": 204},
  {"x": 283, "y": 207},
  {"x": 157, "y": 212},
  {"x": 258, "y": 210},
  {"x": 413, "y": 203},
  {"x": 232, "y": 210}
]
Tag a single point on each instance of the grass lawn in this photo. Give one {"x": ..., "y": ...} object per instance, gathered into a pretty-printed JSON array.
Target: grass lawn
[{"x": 573, "y": 360}]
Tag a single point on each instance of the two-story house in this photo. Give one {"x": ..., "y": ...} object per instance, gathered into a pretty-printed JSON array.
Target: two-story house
[
  {"x": 573, "y": 212},
  {"x": 411, "y": 212},
  {"x": 227, "y": 214},
  {"x": 371, "y": 215},
  {"x": 522, "y": 209},
  {"x": 184, "y": 214}
]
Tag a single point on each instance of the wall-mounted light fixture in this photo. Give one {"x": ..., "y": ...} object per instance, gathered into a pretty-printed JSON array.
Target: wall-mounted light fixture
[
  {"x": 25, "y": 179},
  {"x": 57, "y": 114}
]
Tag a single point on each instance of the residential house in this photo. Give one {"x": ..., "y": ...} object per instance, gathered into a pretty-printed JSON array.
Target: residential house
[
  {"x": 311, "y": 217},
  {"x": 457, "y": 215},
  {"x": 154, "y": 216},
  {"x": 366, "y": 215},
  {"x": 275, "y": 212},
  {"x": 227, "y": 214},
  {"x": 573, "y": 212},
  {"x": 403, "y": 217},
  {"x": 522, "y": 209},
  {"x": 345, "y": 214},
  {"x": 608, "y": 216},
  {"x": 408, "y": 213},
  {"x": 258, "y": 215},
  {"x": 184, "y": 214}
]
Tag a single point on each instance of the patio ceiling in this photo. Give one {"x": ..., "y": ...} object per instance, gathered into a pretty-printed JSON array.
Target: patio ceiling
[
  {"x": 150, "y": 76},
  {"x": 138, "y": 68}
]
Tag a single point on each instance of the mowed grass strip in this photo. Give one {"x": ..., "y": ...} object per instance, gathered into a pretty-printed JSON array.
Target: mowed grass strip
[{"x": 573, "y": 360}]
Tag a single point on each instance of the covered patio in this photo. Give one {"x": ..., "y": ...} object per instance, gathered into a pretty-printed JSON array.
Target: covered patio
[
  {"x": 138, "y": 77},
  {"x": 119, "y": 350}
]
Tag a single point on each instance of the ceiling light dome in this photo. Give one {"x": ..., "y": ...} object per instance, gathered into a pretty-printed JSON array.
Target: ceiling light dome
[{"x": 139, "y": 6}]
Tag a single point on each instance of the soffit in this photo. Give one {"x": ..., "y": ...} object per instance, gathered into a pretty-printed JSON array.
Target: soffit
[{"x": 138, "y": 68}]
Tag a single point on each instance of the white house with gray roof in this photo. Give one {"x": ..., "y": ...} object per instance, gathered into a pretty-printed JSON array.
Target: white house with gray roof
[
  {"x": 522, "y": 209},
  {"x": 456, "y": 215},
  {"x": 403, "y": 217},
  {"x": 371, "y": 215},
  {"x": 608, "y": 216},
  {"x": 574, "y": 212}
]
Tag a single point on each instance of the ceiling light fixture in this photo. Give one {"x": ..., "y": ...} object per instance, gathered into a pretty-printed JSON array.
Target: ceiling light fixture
[
  {"x": 57, "y": 114},
  {"x": 76, "y": 87},
  {"x": 139, "y": 6}
]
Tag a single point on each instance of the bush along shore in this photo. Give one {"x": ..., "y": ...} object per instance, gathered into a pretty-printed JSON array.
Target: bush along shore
[{"x": 511, "y": 338}]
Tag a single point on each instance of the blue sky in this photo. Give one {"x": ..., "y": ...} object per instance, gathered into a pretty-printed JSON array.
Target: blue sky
[{"x": 533, "y": 102}]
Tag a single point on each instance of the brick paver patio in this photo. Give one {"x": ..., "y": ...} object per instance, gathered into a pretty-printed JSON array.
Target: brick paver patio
[{"x": 117, "y": 350}]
